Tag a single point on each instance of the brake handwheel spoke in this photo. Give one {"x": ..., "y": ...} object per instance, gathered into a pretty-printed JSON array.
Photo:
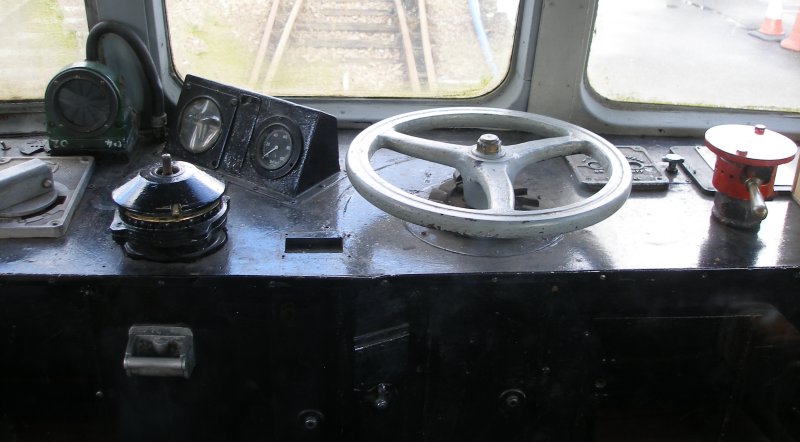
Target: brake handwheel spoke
[
  {"x": 496, "y": 184},
  {"x": 535, "y": 151},
  {"x": 422, "y": 148},
  {"x": 488, "y": 170}
]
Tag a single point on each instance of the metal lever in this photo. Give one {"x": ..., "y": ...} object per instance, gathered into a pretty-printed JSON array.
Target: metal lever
[
  {"x": 757, "y": 205},
  {"x": 26, "y": 188},
  {"x": 159, "y": 350}
]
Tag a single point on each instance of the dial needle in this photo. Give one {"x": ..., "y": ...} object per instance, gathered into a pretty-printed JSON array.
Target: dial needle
[{"x": 270, "y": 151}]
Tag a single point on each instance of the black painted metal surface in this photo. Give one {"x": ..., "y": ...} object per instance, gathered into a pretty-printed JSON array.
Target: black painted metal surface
[{"x": 670, "y": 229}]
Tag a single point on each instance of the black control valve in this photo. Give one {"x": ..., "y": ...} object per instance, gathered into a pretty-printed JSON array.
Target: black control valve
[{"x": 170, "y": 211}]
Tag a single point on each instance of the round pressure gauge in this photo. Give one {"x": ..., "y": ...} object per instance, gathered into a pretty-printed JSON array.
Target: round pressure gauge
[
  {"x": 276, "y": 149},
  {"x": 200, "y": 125}
]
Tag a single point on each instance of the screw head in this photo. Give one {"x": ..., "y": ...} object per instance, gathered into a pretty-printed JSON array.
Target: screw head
[
  {"x": 311, "y": 422},
  {"x": 380, "y": 403},
  {"x": 512, "y": 399}
]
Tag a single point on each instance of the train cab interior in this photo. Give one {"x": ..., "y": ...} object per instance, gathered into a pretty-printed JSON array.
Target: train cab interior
[{"x": 400, "y": 220}]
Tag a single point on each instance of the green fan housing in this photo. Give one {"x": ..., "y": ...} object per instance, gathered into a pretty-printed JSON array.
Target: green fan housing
[{"x": 88, "y": 112}]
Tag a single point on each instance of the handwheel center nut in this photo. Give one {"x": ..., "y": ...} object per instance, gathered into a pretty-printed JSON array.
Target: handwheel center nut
[{"x": 489, "y": 145}]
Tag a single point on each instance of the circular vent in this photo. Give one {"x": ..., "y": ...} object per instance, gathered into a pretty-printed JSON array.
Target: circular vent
[{"x": 82, "y": 100}]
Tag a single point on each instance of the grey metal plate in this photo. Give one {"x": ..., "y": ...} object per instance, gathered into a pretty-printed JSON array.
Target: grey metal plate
[
  {"x": 71, "y": 175},
  {"x": 646, "y": 175},
  {"x": 696, "y": 166}
]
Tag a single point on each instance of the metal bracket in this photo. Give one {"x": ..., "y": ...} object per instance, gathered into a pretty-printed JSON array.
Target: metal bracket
[{"x": 159, "y": 350}]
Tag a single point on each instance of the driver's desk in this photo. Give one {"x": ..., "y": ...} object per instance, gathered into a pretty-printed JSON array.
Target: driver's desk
[{"x": 656, "y": 321}]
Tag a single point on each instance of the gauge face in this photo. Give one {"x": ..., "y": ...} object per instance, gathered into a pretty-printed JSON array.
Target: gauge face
[
  {"x": 276, "y": 149},
  {"x": 200, "y": 125}
]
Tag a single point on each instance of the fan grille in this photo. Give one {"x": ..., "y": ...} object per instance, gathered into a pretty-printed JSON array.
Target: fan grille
[{"x": 85, "y": 102}]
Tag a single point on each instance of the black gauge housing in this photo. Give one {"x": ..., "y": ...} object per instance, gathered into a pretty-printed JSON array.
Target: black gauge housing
[{"x": 305, "y": 140}]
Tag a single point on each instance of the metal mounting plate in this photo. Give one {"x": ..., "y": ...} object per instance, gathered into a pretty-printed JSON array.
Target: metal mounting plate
[
  {"x": 696, "y": 166},
  {"x": 646, "y": 175},
  {"x": 71, "y": 175}
]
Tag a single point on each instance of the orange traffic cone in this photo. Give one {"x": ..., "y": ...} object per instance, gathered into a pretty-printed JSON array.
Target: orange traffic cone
[
  {"x": 771, "y": 27},
  {"x": 792, "y": 42}
]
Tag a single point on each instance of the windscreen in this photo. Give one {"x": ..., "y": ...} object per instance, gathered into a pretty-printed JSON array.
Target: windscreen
[
  {"x": 346, "y": 48},
  {"x": 39, "y": 38}
]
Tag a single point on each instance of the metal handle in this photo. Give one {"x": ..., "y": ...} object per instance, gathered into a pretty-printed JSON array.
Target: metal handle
[
  {"x": 757, "y": 205},
  {"x": 159, "y": 350}
]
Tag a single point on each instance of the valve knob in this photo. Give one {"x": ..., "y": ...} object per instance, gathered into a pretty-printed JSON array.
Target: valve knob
[
  {"x": 744, "y": 174},
  {"x": 672, "y": 160}
]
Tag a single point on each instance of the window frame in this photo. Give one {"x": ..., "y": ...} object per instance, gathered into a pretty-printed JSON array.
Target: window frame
[
  {"x": 544, "y": 78},
  {"x": 149, "y": 20}
]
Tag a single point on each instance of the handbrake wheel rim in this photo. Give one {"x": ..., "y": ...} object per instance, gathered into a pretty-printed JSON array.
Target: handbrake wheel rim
[{"x": 485, "y": 223}]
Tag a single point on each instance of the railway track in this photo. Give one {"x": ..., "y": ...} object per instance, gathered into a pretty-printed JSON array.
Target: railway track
[{"x": 352, "y": 46}]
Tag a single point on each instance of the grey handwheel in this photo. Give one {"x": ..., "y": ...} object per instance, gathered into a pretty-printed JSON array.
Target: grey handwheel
[{"x": 488, "y": 170}]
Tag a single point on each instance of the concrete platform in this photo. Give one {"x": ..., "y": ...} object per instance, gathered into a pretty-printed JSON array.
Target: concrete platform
[{"x": 694, "y": 52}]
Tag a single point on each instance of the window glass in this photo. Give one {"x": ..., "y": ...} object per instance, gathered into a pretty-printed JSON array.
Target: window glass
[
  {"x": 351, "y": 48},
  {"x": 696, "y": 53},
  {"x": 39, "y": 38}
]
